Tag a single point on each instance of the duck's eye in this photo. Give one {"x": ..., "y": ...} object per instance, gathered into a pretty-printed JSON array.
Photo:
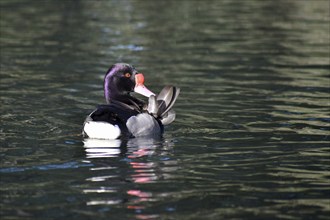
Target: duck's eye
[{"x": 127, "y": 75}]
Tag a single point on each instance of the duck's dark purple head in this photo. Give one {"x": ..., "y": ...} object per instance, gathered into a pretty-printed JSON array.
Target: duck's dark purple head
[{"x": 121, "y": 79}]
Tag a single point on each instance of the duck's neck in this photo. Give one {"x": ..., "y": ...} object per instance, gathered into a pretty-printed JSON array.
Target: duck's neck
[
  {"x": 115, "y": 94},
  {"x": 112, "y": 92},
  {"x": 127, "y": 99},
  {"x": 109, "y": 96}
]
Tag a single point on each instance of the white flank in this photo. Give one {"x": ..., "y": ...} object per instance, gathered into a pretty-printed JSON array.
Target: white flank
[{"x": 101, "y": 130}]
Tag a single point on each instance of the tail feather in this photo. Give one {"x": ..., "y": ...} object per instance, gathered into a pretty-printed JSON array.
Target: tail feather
[
  {"x": 160, "y": 106},
  {"x": 153, "y": 106},
  {"x": 164, "y": 99},
  {"x": 175, "y": 94},
  {"x": 168, "y": 118}
]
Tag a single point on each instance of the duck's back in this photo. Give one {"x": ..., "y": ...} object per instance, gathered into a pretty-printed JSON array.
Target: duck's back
[{"x": 109, "y": 121}]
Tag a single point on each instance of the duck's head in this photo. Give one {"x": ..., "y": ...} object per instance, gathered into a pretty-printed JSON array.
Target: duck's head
[{"x": 121, "y": 79}]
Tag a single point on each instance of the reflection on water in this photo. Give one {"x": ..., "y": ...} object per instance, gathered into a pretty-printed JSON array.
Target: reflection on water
[
  {"x": 146, "y": 161},
  {"x": 102, "y": 148},
  {"x": 251, "y": 138}
]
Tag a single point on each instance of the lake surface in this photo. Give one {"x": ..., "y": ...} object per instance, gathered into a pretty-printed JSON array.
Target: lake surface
[{"x": 251, "y": 138}]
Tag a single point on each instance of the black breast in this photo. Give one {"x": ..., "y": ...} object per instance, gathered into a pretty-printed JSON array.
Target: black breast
[{"x": 114, "y": 113}]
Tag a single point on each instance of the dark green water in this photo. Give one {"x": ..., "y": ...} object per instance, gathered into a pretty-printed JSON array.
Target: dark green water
[{"x": 251, "y": 139}]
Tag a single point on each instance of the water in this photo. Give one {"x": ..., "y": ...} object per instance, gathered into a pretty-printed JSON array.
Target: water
[{"x": 251, "y": 138}]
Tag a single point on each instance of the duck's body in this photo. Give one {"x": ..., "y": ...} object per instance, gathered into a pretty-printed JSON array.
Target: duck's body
[{"x": 125, "y": 116}]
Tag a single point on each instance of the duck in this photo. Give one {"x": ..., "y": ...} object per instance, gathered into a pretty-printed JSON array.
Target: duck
[{"x": 125, "y": 116}]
